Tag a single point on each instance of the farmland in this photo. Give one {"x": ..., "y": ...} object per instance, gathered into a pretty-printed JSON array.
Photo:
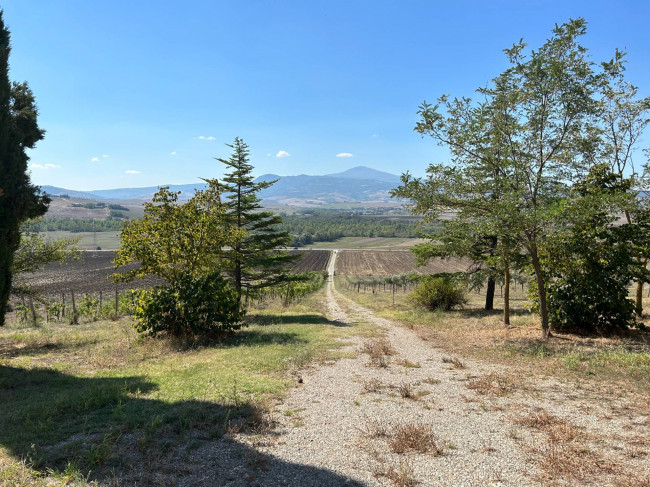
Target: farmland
[
  {"x": 91, "y": 273},
  {"x": 389, "y": 262}
]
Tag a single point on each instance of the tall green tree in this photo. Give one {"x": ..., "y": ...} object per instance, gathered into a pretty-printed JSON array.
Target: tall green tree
[
  {"x": 256, "y": 260},
  {"x": 624, "y": 118},
  {"x": 536, "y": 132},
  {"x": 19, "y": 198}
]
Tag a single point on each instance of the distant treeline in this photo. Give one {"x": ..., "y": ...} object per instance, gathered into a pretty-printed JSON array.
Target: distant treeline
[
  {"x": 51, "y": 224},
  {"x": 319, "y": 226},
  {"x": 307, "y": 229}
]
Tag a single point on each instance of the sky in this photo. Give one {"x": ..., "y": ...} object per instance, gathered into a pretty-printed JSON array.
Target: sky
[{"x": 148, "y": 92}]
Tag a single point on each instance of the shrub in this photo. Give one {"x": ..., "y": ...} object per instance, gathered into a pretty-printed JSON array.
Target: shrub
[
  {"x": 204, "y": 305},
  {"x": 439, "y": 292}
]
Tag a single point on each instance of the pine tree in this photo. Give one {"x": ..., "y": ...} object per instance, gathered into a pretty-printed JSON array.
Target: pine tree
[
  {"x": 256, "y": 260},
  {"x": 19, "y": 199}
]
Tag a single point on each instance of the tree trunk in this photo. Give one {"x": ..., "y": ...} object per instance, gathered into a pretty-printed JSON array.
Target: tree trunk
[
  {"x": 541, "y": 292},
  {"x": 489, "y": 295},
  {"x": 639, "y": 298},
  {"x": 506, "y": 296}
]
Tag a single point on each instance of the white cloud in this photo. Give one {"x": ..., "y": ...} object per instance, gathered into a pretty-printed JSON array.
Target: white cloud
[
  {"x": 375, "y": 135},
  {"x": 95, "y": 159},
  {"x": 268, "y": 154},
  {"x": 282, "y": 153},
  {"x": 45, "y": 166},
  {"x": 105, "y": 156},
  {"x": 203, "y": 137},
  {"x": 172, "y": 153},
  {"x": 344, "y": 154},
  {"x": 132, "y": 171}
]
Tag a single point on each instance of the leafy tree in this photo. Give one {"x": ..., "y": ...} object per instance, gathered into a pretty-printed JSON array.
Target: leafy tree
[
  {"x": 256, "y": 259},
  {"x": 19, "y": 199},
  {"x": 588, "y": 283},
  {"x": 624, "y": 119},
  {"x": 184, "y": 245},
  {"x": 536, "y": 131},
  {"x": 172, "y": 240}
]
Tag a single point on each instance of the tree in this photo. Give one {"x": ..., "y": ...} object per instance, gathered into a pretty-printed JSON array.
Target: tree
[
  {"x": 536, "y": 132},
  {"x": 175, "y": 239},
  {"x": 184, "y": 245},
  {"x": 624, "y": 118},
  {"x": 256, "y": 259},
  {"x": 591, "y": 264},
  {"x": 19, "y": 199}
]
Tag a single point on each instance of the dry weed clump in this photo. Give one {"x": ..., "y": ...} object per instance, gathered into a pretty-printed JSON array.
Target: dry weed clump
[
  {"x": 372, "y": 385},
  {"x": 406, "y": 391},
  {"x": 414, "y": 437},
  {"x": 408, "y": 364},
  {"x": 375, "y": 429},
  {"x": 570, "y": 461},
  {"x": 402, "y": 476},
  {"x": 378, "y": 350},
  {"x": 492, "y": 385},
  {"x": 453, "y": 361},
  {"x": 557, "y": 429}
]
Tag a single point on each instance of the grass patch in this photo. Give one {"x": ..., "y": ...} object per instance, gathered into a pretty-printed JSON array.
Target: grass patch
[
  {"x": 414, "y": 437},
  {"x": 99, "y": 398}
]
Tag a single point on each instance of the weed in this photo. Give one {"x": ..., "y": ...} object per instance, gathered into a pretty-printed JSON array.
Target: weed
[
  {"x": 372, "y": 385},
  {"x": 431, "y": 381},
  {"x": 414, "y": 437},
  {"x": 375, "y": 429},
  {"x": 406, "y": 391},
  {"x": 402, "y": 476},
  {"x": 378, "y": 350},
  {"x": 407, "y": 363},
  {"x": 453, "y": 361},
  {"x": 492, "y": 385}
]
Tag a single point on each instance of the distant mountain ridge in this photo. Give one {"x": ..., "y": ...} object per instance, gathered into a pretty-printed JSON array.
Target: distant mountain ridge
[{"x": 359, "y": 184}]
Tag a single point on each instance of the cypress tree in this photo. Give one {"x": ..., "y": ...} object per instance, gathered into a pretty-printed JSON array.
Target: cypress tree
[
  {"x": 19, "y": 199},
  {"x": 256, "y": 260}
]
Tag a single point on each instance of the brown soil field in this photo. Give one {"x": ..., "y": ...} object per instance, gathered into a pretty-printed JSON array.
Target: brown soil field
[
  {"x": 390, "y": 262},
  {"x": 311, "y": 260},
  {"x": 91, "y": 273}
]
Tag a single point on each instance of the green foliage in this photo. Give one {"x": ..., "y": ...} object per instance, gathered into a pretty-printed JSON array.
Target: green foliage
[
  {"x": 19, "y": 198},
  {"x": 444, "y": 292},
  {"x": 55, "y": 223},
  {"x": 173, "y": 239},
  {"x": 590, "y": 266},
  {"x": 255, "y": 260},
  {"x": 190, "y": 305}
]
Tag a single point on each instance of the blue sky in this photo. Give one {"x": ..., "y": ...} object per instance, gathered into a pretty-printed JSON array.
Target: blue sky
[{"x": 141, "y": 93}]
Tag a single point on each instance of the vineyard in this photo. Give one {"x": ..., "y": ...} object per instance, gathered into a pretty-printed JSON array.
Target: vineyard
[
  {"x": 389, "y": 263},
  {"x": 311, "y": 260}
]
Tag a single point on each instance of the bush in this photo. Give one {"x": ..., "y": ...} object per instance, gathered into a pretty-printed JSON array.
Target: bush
[
  {"x": 439, "y": 292},
  {"x": 204, "y": 305}
]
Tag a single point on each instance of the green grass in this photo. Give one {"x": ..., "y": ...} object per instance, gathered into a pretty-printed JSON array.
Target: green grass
[
  {"x": 86, "y": 394},
  {"x": 367, "y": 243},
  {"x": 89, "y": 240}
]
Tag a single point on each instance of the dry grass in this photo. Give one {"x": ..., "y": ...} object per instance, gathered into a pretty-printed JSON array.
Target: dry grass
[
  {"x": 414, "y": 437},
  {"x": 378, "y": 350},
  {"x": 372, "y": 385},
  {"x": 431, "y": 381},
  {"x": 557, "y": 429},
  {"x": 453, "y": 361},
  {"x": 492, "y": 385},
  {"x": 408, "y": 364},
  {"x": 402, "y": 476},
  {"x": 406, "y": 391},
  {"x": 375, "y": 429}
]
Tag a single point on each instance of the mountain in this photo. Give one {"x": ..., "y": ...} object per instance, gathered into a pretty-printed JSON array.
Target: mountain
[
  {"x": 359, "y": 184},
  {"x": 55, "y": 191},
  {"x": 362, "y": 172}
]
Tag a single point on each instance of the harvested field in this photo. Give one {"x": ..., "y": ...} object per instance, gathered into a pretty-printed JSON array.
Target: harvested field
[
  {"x": 390, "y": 262},
  {"x": 311, "y": 260},
  {"x": 91, "y": 273}
]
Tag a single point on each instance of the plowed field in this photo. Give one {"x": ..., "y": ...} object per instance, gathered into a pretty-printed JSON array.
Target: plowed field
[
  {"x": 311, "y": 260},
  {"x": 390, "y": 262}
]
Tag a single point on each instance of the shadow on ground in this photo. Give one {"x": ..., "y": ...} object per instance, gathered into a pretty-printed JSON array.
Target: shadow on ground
[
  {"x": 104, "y": 429},
  {"x": 291, "y": 319}
]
